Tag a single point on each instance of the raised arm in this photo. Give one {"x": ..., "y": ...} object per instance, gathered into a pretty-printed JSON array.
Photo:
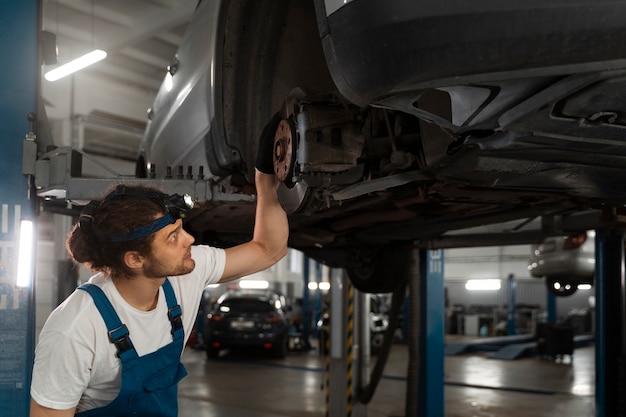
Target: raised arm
[{"x": 271, "y": 229}]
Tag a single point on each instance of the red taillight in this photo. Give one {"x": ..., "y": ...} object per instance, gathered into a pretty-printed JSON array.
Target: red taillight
[
  {"x": 267, "y": 345},
  {"x": 272, "y": 319},
  {"x": 573, "y": 242},
  {"x": 215, "y": 317}
]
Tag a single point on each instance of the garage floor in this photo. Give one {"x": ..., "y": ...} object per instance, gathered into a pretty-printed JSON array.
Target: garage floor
[{"x": 246, "y": 385}]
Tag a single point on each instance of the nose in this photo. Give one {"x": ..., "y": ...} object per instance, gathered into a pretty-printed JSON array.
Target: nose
[{"x": 189, "y": 238}]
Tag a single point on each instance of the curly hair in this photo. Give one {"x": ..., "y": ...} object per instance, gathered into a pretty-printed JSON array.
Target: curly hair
[{"x": 92, "y": 246}]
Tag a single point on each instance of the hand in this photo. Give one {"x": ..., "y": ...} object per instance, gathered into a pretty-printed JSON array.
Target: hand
[{"x": 265, "y": 152}]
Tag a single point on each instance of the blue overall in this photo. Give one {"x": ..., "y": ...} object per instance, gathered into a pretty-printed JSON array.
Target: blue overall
[{"x": 149, "y": 382}]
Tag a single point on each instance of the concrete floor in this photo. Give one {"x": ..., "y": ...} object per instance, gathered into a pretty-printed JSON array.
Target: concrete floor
[{"x": 246, "y": 385}]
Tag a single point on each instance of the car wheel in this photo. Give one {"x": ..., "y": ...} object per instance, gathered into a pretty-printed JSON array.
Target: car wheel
[
  {"x": 280, "y": 350},
  {"x": 376, "y": 342},
  {"x": 560, "y": 288},
  {"x": 212, "y": 353},
  {"x": 380, "y": 270}
]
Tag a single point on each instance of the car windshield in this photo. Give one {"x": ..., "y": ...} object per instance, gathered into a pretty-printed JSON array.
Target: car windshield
[{"x": 249, "y": 305}]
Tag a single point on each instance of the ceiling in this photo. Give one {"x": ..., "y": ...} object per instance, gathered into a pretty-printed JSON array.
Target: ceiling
[{"x": 140, "y": 38}]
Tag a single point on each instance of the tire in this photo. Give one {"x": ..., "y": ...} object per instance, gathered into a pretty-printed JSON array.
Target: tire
[
  {"x": 212, "y": 353},
  {"x": 380, "y": 270},
  {"x": 280, "y": 350},
  {"x": 561, "y": 288},
  {"x": 376, "y": 342}
]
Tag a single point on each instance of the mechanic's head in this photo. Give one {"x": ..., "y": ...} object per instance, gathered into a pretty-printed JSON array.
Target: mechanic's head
[{"x": 126, "y": 219}]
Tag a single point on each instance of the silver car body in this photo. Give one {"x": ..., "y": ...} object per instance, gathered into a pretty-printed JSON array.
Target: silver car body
[{"x": 552, "y": 258}]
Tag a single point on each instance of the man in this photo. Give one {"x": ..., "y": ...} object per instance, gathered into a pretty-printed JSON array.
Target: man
[{"x": 113, "y": 347}]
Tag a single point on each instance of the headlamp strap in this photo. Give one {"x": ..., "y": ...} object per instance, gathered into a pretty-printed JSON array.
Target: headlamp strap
[{"x": 146, "y": 230}]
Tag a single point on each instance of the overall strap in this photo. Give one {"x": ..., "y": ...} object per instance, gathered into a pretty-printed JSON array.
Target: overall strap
[
  {"x": 118, "y": 332},
  {"x": 174, "y": 312}
]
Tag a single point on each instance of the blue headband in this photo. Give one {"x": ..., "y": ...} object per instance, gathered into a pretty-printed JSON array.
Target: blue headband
[{"x": 146, "y": 230}]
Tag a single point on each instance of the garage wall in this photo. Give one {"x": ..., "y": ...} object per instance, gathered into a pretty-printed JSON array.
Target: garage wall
[{"x": 527, "y": 293}]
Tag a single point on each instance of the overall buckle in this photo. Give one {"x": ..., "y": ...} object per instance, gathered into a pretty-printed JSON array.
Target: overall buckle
[
  {"x": 175, "y": 316},
  {"x": 121, "y": 339}
]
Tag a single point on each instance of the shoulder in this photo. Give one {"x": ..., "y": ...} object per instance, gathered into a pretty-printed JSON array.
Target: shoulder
[
  {"x": 76, "y": 321},
  {"x": 210, "y": 263}
]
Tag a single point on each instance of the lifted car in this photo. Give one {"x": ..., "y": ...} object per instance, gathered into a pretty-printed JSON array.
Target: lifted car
[
  {"x": 565, "y": 262},
  {"x": 404, "y": 120}
]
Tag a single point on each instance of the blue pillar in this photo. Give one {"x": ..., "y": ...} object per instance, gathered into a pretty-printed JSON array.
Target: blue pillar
[
  {"x": 18, "y": 92},
  {"x": 432, "y": 334},
  {"x": 610, "y": 332},
  {"x": 551, "y": 307},
  {"x": 306, "y": 303},
  {"x": 510, "y": 322}
]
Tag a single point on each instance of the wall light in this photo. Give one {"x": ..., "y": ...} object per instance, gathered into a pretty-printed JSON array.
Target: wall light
[
  {"x": 254, "y": 284},
  {"x": 322, "y": 286},
  {"x": 25, "y": 254},
  {"x": 76, "y": 65},
  {"x": 483, "y": 285}
]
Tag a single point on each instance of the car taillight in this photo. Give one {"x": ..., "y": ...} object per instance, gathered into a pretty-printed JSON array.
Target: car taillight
[
  {"x": 215, "y": 317},
  {"x": 574, "y": 242},
  {"x": 272, "y": 319}
]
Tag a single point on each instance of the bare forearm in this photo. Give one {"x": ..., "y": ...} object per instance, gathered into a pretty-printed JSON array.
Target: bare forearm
[
  {"x": 271, "y": 227},
  {"x": 271, "y": 231}
]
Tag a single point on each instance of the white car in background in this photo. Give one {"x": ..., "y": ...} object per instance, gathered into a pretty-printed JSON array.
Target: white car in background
[{"x": 565, "y": 262}]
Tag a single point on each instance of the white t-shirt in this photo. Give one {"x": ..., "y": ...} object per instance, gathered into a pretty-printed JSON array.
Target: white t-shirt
[{"x": 76, "y": 364}]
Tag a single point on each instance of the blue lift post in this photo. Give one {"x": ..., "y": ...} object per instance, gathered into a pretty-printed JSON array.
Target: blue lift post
[
  {"x": 18, "y": 38},
  {"x": 610, "y": 332},
  {"x": 425, "y": 378},
  {"x": 510, "y": 322},
  {"x": 551, "y": 307}
]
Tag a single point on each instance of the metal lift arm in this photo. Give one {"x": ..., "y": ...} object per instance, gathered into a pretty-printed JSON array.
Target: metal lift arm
[{"x": 58, "y": 175}]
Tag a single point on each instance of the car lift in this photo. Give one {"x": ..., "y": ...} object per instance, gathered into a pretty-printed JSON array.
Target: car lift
[{"x": 56, "y": 175}]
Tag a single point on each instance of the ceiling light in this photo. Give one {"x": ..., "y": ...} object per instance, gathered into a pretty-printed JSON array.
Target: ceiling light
[
  {"x": 254, "y": 284},
  {"x": 483, "y": 285},
  {"x": 76, "y": 65}
]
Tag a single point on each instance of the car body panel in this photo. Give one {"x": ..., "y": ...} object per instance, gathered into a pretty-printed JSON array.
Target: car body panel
[{"x": 552, "y": 258}]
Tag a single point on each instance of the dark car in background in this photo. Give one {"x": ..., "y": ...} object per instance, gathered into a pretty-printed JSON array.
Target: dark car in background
[
  {"x": 250, "y": 319},
  {"x": 565, "y": 262},
  {"x": 405, "y": 121}
]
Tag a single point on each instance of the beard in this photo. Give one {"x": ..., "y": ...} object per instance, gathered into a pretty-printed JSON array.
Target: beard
[{"x": 155, "y": 268}]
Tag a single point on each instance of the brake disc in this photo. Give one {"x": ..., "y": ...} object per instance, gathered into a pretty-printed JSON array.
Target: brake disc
[
  {"x": 283, "y": 151},
  {"x": 292, "y": 195}
]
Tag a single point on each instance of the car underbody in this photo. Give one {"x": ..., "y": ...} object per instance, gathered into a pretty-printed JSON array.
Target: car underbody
[{"x": 401, "y": 134}]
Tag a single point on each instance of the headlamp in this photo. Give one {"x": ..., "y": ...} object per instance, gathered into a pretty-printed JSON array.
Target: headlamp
[{"x": 175, "y": 206}]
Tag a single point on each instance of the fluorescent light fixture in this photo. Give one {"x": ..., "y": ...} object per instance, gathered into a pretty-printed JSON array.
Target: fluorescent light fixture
[
  {"x": 322, "y": 286},
  {"x": 76, "y": 65},
  {"x": 483, "y": 285},
  {"x": 168, "y": 82},
  {"x": 254, "y": 284},
  {"x": 25, "y": 254}
]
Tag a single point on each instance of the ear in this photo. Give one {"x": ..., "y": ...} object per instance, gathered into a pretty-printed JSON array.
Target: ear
[{"x": 133, "y": 259}]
